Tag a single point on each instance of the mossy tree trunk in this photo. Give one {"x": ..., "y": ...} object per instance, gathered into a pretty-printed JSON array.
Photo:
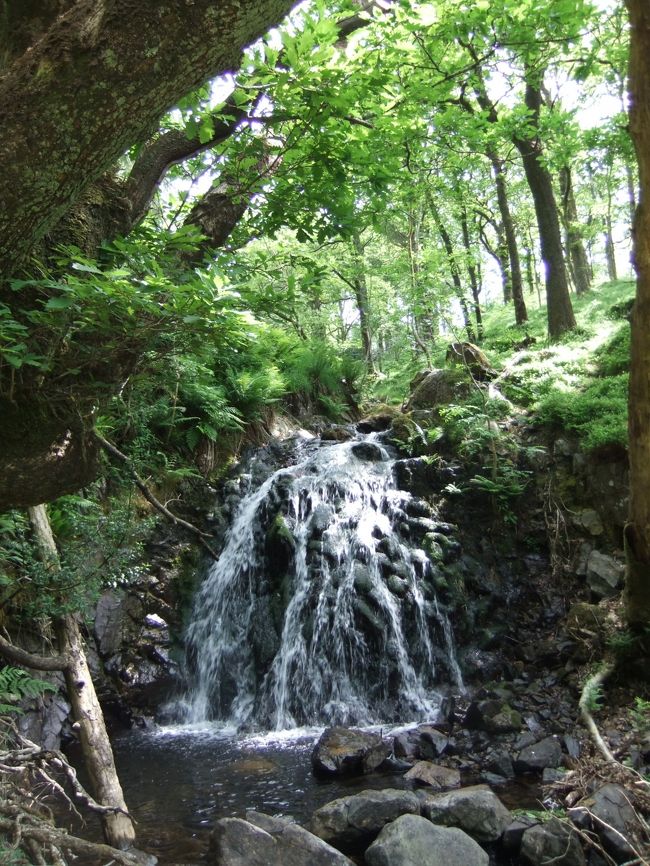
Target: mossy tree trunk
[{"x": 637, "y": 531}]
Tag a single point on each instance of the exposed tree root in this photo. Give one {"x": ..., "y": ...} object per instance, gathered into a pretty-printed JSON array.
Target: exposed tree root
[
  {"x": 590, "y": 688},
  {"x": 26, "y": 822}
]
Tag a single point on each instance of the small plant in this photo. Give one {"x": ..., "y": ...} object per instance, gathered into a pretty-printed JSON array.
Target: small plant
[
  {"x": 16, "y": 685},
  {"x": 640, "y": 714}
]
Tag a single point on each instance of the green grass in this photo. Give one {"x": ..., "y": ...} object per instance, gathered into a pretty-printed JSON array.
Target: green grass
[{"x": 578, "y": 384}]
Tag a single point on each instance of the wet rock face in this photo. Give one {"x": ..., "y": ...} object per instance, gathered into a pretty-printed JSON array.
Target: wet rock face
[{"x": 347, "y": 752}]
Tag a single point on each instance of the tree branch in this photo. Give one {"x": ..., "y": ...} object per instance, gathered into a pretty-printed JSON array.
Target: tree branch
[
  {"x": 148, "y": 495},
  {"x": 136, "y": 60},
  {"x": 29, "y": 660}
]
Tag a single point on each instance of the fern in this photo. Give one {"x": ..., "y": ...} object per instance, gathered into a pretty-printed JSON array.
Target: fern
[{"x": 16, "y": 685}]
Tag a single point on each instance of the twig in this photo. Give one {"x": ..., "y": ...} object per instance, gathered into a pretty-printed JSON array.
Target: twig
[{"x": 148, "y": 495}]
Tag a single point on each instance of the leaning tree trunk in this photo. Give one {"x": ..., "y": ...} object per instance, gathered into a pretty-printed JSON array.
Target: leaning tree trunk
[
  {"x": 637, "y": 531},
  {"x": 118, "y": 827},
  {"x": 558, "y": 301},
  {"x": 363, "y": 302},
  {"x": 472, "y": 272}
]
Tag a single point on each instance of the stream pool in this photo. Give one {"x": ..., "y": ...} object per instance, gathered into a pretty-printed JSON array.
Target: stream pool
[{"x": 178, "y": 780}]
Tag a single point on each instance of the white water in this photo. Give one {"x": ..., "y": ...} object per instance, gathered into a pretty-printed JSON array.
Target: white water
[{"x": 347, "y": 650}]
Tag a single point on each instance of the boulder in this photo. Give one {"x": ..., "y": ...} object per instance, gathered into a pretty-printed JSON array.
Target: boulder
[
  {"x": 352, "y": 823},
  {"x": 477, "y": 810},
  {"x": 336, "y": 433},
  {"x": 604, "y": 574},
  {"x": 348, "y": 752},
  {"x": 474, "y": 359},
  {"x": 609, "y": 814},
  {"x": 414, "y": 841},
  {"x": 493, "y": 716},
  {"x": 422, "y": 477},
  {"x": 368, "y": 451},
  {"x": 438, "y": 388},
  {"x": 426, "y": 773},
  {"x": 538, "y": 756},
  {"x": 266, "y": 841},
  {"x": 551, "y": 842},
  {"x": 378, "y": 422}
]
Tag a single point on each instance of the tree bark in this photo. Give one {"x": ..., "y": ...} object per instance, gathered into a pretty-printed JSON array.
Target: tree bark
[
  {"x": 135, "y": 61},
  {"x": 637, "y": 531},
  {"x": 118, "y": 827},
  {"x": 575, "y": 245},
  {"x": 516, "y": 281},
  {"x": 445, "y": 237},
  {"x": 472, "y": 273},
  {"x": 558, "y": 300}
]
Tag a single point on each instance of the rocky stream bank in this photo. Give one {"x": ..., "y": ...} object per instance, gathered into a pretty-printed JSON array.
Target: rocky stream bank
[{"x": 532, "y": 600}]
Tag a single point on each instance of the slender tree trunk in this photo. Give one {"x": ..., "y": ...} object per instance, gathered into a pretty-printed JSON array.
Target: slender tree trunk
[
  {"x": 453, "y": 268},
  {"x": 89, "y": 719},
  {"x": 558, "y": 300},
  {"x": 610, "y": 249},
  {"x": 575, "y": 245},
  {"x": 363, "y": 304},
  {"x": 472, "y": 273},
  {"x": 516, "y": 282},
  {"x": 637, "y": 531}
]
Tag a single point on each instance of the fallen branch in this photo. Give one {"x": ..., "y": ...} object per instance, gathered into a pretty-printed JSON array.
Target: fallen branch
[
  {"x": 591, "y": 686},
  {"x": 148, "y": 495}
]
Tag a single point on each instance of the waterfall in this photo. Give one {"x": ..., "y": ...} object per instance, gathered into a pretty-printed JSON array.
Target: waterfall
[{"x": 321, "y": 608}]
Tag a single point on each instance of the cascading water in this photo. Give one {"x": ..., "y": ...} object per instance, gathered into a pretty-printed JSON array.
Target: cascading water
[{"x": 322, "y": 608}]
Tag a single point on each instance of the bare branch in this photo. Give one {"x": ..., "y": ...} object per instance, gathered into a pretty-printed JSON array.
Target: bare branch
[{"x": 148, "y": 495}]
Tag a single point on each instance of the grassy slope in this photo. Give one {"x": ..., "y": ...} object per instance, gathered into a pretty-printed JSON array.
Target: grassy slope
[{"x": 578, "y": 384}]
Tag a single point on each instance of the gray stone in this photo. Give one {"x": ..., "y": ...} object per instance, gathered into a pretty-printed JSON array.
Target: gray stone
[
  {"x": 368, "y": 451},
  {"x": 589, "y": 520},
  {"x": 553, "y": 842},
  {"x": 414, "y": 841},
  {"x": 477, "y": 810},
  {"x": 433, "y": 743},
  {"x": 545, "y": 753},
  {"x": 608, "y": 813},
  {"x": 268, "y": 842},
  {"x": 345, "y": 751},
  {"x": 426, "y": 773},
  {"x": 352, "y": 823},
  {"x": 514, "y": 832},
  {"x": 437, "y": 388},
  {"x": 501, "y": 763},
  {"x": 604, "y": 574},
  {"x": 493, "y": 716}
]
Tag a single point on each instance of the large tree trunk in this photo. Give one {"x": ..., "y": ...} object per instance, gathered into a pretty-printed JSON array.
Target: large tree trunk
[
  {"x": 135, "y": 61},
  {"x": 575, "y": 246},
  {"x": 89, "y": 719},
  {"x": 637, "y": 531},
  {"x": 558, "y": 300}
]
